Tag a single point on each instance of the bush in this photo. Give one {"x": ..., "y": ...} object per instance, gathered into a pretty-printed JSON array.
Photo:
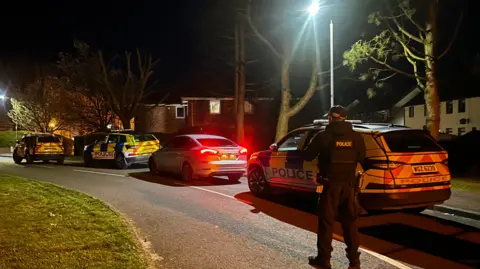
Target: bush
[{"x": 7, "y": 138}]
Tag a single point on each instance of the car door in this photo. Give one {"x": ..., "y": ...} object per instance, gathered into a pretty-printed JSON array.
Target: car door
[
  {"x": 161, "y": 156},
  {"x": 170, "y": 154},
  {"x": 286, "y": 162}
]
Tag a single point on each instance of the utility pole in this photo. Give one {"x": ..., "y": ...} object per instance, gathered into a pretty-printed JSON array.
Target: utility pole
[{"x": 240, "y": 77}]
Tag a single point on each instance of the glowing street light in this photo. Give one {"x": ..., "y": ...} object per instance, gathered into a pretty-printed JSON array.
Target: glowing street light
[
  {"x": 3, "y": 97},
  {"x": 313, "y": 10}
]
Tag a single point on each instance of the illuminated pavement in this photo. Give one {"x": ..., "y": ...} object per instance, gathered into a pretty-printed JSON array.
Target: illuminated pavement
[{"x": 217, "y": 225}]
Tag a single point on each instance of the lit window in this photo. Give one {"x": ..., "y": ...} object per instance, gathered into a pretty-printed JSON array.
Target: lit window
[
  {"x": 461, "y": 131},
  {"x": 214, "y": 106},
  {"x": 449, "y": 130}
]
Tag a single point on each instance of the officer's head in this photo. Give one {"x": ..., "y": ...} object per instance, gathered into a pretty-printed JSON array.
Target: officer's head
[{"x": 337, "y": 113}]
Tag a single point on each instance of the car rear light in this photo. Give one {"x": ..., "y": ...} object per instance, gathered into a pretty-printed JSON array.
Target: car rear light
[
  {"x": 209, "y": 152},
  {"x": 381, "y": 164},
  {"x": 243, "y": 151}
]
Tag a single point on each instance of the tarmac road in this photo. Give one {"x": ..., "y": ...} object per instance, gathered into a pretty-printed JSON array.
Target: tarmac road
[{"x": 212, "y": 224}]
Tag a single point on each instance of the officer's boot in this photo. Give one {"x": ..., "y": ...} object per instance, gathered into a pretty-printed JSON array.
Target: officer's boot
[
  {"x": 354, "y": 259},
  {"x": 320, "y": 263}
]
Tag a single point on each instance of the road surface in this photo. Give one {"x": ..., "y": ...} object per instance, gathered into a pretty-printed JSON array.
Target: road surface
[{"x": 212, "y": 224}]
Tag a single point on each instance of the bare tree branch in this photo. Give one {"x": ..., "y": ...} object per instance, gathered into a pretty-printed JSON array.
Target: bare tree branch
[
  {"x": 403, "y": 30},
  {"x": 258, "y": 34},
  {"x": 420, "y": 28},
  {"x": 306, "y": 97},
  {"x": 453, "y": 37},
  {"x": 395, "y": 69}
]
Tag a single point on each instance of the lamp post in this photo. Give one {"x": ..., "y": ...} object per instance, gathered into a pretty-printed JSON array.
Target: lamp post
[
  {"x": 313, "y": 11},
  {"x": 3, "y": 97}
]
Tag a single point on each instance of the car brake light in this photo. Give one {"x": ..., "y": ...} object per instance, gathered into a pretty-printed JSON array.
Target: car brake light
[
  {"x": 382, "y": 164},
  {"x": 209, "y": 151},
  {"x": 243, "y": 151}
]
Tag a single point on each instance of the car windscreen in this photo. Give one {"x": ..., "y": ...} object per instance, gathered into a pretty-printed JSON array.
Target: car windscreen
[
  {"x": 410, "y": 141},
  {"x": 48, "y": 139},
  {"x": 216, "y": 142},
  {"x": 143, "y": 137}
]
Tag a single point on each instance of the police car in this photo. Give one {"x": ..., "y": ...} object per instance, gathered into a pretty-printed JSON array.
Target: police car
[
  {"x": 124, "y": 148},
  {"x": 405, "y": 168},
  {"x": 39, "y": 147}
]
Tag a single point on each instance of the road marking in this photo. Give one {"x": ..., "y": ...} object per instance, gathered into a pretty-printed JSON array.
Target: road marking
[
  {"x": 99, "y": 173},
  {"x": 379, "y": 256},
  {"x": 43, "y": 166}
]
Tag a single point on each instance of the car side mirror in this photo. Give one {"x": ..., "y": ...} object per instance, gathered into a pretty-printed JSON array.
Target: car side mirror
[{"x": 273, "y": 147}]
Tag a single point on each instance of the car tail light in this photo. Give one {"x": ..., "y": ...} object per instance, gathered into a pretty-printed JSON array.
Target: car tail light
[
  {"x": 209, "y": 151},
  {"x": 243, "y": 151},
  {"x": 381, "y": 164}
]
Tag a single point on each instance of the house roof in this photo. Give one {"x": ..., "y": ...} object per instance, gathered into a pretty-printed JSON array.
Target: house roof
[{"x": 420, "y": 100}]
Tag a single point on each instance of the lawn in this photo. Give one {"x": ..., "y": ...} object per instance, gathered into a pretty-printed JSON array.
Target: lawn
[
  {"x": 466, "y": 184},
  {"x": 7, "y": 138},
  {"x": 45, "y": 226}
]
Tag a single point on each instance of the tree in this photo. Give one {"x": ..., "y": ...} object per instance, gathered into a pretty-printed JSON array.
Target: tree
[
  {"x": 40, "y": 106},
  {"x": 406, "y": 37},
  {"x": 240, "y": 81},
  {"x": 123, "y": 84},
  {"x": 285, "y": 55}
]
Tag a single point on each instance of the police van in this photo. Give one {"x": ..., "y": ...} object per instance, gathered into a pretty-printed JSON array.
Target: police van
[{"x": 405, "y": 168}]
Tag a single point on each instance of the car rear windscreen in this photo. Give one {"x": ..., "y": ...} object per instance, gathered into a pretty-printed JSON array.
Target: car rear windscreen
[
  {"x": 216, "y": 142},
  {"x": 143, "y": 137},
  {"x": 48, "y": 139},
  {"x": 410, "y": 141}
]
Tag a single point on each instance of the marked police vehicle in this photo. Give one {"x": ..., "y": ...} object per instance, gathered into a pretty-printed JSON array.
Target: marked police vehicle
[
  {"x": 405, "y": 168},
  {"x": 124, "y": 148},
  {"x": 39, "y": 147}
]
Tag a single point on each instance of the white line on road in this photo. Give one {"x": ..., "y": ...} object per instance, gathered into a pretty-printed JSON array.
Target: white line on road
[
  {"x": 379, "y": 256},
  {"x": 99, "y": 173},
  {"x": 43, "y": 166}
]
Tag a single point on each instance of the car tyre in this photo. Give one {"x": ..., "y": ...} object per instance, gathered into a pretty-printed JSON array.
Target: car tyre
[
  {"x": 152, "y": 166},
  {"x": 257, "y": 182},
  {"x": 187, "y": 172},
  {"x": 46, "y": 161},
  {"x": 17, "y": 159},
  {"x": 235, "y": 177},
  {"x": 29, "y": 158},
  {"x": 120, "y": 161}
]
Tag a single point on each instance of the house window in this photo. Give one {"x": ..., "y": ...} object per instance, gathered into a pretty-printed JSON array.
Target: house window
[
  {"x": 214, "y": 106},
  {"x": 461, "y": 131},
  {"x": 449, "y": 130},
  {"x": 449, "y": 107},
  {"x": 424, "y": 110},
  {"x": 180, "y": 112},
  {"x": 411, "y": 112},
  {"x": 462, "y": 105},
  {"x": 248, "y": 107},
  {"x": 474, "y": 129}
]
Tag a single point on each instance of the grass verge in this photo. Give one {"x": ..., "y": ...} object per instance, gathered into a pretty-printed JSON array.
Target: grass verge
[
  {"x": 46, "y": 226},
  {"x": 466, "y": 184},
  {"x": 7, "y": 138}
]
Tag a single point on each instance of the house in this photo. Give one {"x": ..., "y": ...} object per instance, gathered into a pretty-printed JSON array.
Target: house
[{"x": 457, "y": 116}]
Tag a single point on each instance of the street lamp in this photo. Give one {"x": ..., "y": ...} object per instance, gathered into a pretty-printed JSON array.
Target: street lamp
[
  {"x": 313, "y": 11},
  {"x": 3, "y": 97}
]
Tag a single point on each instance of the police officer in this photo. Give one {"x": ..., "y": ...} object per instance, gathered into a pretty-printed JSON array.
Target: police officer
[{"x": 338, "y": 149}]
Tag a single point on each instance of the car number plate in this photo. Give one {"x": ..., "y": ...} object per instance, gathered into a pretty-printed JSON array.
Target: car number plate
[
  {"x": 230, "y": 157},
  {"x": 104, "y": 155},
  {"x": 422, "y": 169}
]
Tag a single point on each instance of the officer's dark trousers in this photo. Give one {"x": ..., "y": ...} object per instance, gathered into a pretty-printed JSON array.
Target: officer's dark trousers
[{"x": 337, "y": 202}]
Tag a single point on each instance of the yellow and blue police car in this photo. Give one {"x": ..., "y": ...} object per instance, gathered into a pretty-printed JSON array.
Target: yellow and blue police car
[
  {"x": 405, "y": 168},
  {"x": 124, "y": 148}
]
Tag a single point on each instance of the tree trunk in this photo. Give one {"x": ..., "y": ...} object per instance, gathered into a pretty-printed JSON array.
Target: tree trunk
[
  {"x": 241, "y": 85},
  {"x": 237, "y": 54},
  {"x": 432, "y": 100},
  {"x": 283, "y": 117},
  {"x": 125, "y": 123}
]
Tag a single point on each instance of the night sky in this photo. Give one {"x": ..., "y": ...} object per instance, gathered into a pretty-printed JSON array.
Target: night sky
[{"x": 183, "y": 34}]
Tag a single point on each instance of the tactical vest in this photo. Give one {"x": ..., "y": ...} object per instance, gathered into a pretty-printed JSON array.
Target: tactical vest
[{"x": 342, "y": 150}]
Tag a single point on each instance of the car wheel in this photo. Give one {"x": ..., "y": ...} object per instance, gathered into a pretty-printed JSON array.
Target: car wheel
[
  {"x": 187, "y": 172},
  {"x": 257, "y": 183},
  {"x": 60, "y": 161},
  {"x": 46, "y": 161},
  {"x": 29, "y": 158},
  {"x": 120, "y": 161},
  {"x": 17, "y": 159},
  {"x": 235, "y": 178},
  {"x": 152, "y": 166}
]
